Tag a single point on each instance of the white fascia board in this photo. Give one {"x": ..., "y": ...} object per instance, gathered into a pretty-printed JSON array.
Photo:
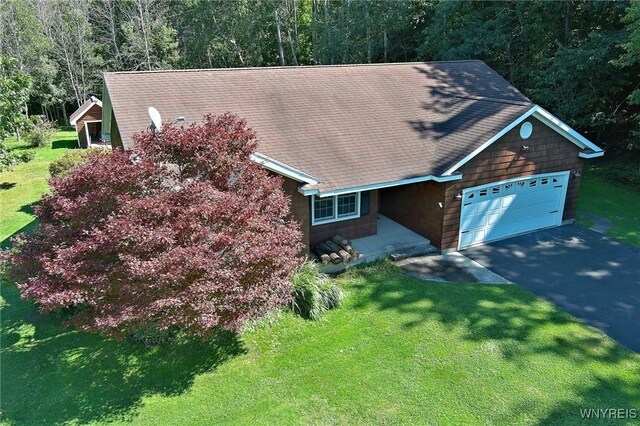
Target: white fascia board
[
  {"x": 547, "y": 118},
  {"x": 556, "y": 124},
  {"x": 485, "y": 145},
  {"x": 591, "y": 154},
  {"x": 283, "y": 169},
  {"x": 379, "y": 185},
  {"x": 84, "y": 111}
]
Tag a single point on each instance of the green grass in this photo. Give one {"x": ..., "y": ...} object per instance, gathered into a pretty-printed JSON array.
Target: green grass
[
  {"x": 400, "y": 350},
  {"x": 23, "y": 186},
  {"x": 616, "y": 203}
]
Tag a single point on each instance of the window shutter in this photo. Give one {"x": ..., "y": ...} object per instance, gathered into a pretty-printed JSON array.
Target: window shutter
[{"x": 365, "y": 203}]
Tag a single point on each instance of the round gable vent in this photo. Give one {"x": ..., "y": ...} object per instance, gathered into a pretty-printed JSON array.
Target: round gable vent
[{"x": 526, "y": 130}]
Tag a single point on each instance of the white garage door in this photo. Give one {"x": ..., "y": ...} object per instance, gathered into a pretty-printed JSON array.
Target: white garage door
[{"x": 503, "y": 209}]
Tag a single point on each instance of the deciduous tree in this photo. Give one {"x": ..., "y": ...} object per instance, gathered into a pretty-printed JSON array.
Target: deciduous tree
[
  {"x": 185, "y": 230},
  {"x": 14, "y": 93}
]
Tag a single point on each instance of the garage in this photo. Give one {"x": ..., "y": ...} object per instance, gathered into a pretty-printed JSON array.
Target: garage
[{"x": 503, "y": 209}]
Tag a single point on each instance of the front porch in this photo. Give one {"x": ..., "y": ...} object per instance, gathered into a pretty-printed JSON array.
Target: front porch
[{"x": 391, "y": 240}]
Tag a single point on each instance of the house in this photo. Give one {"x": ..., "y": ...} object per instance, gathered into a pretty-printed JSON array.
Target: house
[
  {"x": 449, "y": 150},
  {"x": 88, "y": 123}
]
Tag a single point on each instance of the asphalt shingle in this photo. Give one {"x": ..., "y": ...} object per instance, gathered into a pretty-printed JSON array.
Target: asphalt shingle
[{"x": 347, "y": 126}]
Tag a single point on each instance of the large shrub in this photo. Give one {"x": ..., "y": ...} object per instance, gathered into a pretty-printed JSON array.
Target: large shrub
[
  {"x": 8, "y": 158},
  {"x": 40, "y": 133},
  {"x": 71, "y": 159},
  {"x": 313, "y": 291},
  {"x": 184, "y": 231}
]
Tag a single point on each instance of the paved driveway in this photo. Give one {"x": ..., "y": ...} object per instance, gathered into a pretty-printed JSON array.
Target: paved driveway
[{"x": 594, "y": 278}]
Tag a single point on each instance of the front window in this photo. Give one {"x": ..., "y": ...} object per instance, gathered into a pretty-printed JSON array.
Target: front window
[
  {"x": 338, "y": 207},
  {"x": 323, "y": 209},
  {"x": 347, "y": 205}
]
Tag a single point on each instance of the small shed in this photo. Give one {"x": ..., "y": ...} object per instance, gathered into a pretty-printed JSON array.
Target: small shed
[{"x": 88, "y": 122}]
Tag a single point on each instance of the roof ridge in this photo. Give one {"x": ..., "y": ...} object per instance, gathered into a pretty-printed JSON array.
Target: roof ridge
[{"x": 280, "y": 67}]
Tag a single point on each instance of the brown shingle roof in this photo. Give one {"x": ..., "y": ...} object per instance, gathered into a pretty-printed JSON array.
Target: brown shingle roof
[
  {"x": 84, "y": 108},
  {"x": 347, "y": 126}
]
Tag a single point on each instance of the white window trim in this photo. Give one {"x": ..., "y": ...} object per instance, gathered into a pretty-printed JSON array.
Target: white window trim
[{"x": 335, "y": 217}]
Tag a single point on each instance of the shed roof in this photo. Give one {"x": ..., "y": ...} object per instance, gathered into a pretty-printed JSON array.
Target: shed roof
[
  {"x": 346, "y": 126},
  {"x": 84, "y": 108}
]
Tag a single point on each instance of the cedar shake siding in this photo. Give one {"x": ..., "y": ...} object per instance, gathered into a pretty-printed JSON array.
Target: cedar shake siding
[
  {"x": 548, "y": 152},
  {"x": 416, "y": 207},
  {"x": 299, "y": 207},
  {"x": 94, "y": 114}
]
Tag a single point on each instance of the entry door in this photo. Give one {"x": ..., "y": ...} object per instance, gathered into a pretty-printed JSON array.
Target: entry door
[{"x": 503, "y": 209}]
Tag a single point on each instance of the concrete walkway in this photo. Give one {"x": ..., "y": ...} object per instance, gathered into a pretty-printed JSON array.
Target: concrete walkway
[
  {"x": 450, "y": 267},
  {"x": 600, "y": 225}
]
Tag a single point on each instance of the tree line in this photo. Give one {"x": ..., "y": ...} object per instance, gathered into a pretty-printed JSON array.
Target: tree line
[{"x": 580, "y": 59}]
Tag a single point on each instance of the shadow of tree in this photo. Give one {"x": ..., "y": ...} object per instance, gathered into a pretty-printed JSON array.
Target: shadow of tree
[
  {"x": 7, "y": 185},
  {"x": 64, "y": 143},
  {"x": 56, "y": 376},
  {"x": 588, "y": 275},
  {"x": 604, "y": 394},
  {"x": 29, "y": 209},
  {"x": 520, "y": 328},
  {"x": 518, "y": 322},
  {"x": 464, "y": 105}
]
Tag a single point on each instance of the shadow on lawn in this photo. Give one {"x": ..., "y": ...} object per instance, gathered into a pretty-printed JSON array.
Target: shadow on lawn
[
  {"x": 64, "y": 143},
  {"x": 57, "y": 376},
  {"x": 504, "y": 313},
  {"x": 513, "y": 321},
  {"x": 7, "y": 185},
  {"x": 27, "y": 208}
]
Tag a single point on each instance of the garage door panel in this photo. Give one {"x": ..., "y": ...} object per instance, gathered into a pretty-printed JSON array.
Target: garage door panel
[{"x": 501, "y": 209}]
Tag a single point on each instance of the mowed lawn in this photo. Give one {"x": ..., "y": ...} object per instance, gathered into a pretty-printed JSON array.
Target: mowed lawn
[
  {"x": 23, "y": 186},
  {"x": 616, "y": 203},
  {"x": 400, "y": 350}
]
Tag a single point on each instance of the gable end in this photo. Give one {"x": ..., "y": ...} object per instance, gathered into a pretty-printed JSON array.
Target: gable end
[{"x": 591, "y": 150}]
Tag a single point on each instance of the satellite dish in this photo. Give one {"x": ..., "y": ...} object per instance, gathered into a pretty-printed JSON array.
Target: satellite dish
[{"x": 156, "y": 120}]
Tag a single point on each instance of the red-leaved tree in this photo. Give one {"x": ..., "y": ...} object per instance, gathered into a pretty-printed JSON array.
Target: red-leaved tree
[{"x": 184, "y": 230}]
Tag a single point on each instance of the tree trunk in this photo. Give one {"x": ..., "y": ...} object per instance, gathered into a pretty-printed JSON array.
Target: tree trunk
[
  {"x": 314, "y": 31},
  {"x": 386, "y": 42},
  {"x": 279, "y": 36},
  {"x": 567, "y": 23},
  {"x": 145, "y": 36},
  {"x": 367, "y": 23},
  {"x": 65, "y": 118},
  {"x": 293, "y": 51},
  {"x": 345, "y": 28}
]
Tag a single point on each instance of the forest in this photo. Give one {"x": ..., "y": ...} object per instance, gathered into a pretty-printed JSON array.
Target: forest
[{"x": 579, "y": 59}]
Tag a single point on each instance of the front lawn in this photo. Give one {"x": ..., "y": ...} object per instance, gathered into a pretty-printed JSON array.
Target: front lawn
[
  {"x": 618, "y": 204},
  {"x": 400, "y": 350},
  {"x": 24, "y": 185}
]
